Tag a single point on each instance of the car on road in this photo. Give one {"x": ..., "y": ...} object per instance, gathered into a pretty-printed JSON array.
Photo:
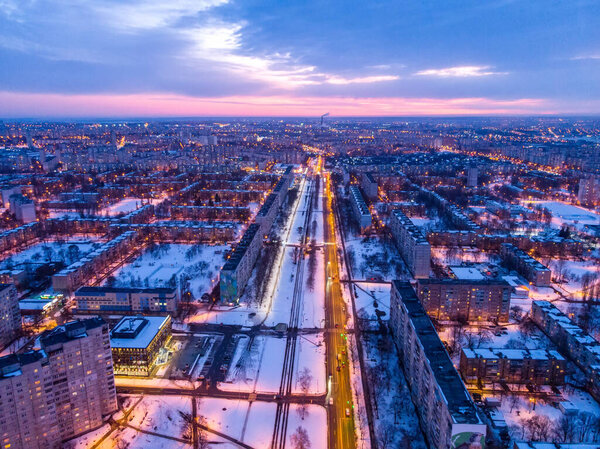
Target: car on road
[
  {"x": 347, "y": 412},
  {"x": 330, "y": 401}
]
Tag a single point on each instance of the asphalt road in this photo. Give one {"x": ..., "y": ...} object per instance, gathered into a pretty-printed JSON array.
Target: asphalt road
[{"x": 340, "y": 426}]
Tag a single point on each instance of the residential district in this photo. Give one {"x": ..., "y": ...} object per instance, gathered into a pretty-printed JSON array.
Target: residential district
[{"x": 300, "y": 283}]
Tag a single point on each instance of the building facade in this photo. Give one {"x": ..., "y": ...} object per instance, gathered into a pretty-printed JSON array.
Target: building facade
[
  {"x": 571, "y": 340},
  {"x": 512, "y": 366},
  {"x": 136, "y": 342},
  {"x": 10, "y": 314},
  {"x": 412, "y": 244},
  {"x": 60, "y": 390},
  {"x": 98, "y": 300},
  {"x": 238, "y": 268},
  {"x": 534, "y": 271},
  {"x": 447, "y": 414},
  {"x": 360, "y": 209},
  {"x": 465, "y": 300}
]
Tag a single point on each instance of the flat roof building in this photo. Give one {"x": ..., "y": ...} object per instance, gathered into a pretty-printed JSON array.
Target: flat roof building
[
  {"x": 465, "y": 299},
  {"x": 136, "y": 343},
  {"x": 157, "y": 301},
  {"x": 449, "y": 418},
  {"x": 62, "y": 389}
]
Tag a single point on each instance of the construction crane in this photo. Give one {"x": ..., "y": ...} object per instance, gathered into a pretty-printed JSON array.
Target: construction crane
[{"x": 322, "y": 117}]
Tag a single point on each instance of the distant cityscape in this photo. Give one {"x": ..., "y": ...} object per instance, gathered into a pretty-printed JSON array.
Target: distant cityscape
[{"x": 301, "y": 283}]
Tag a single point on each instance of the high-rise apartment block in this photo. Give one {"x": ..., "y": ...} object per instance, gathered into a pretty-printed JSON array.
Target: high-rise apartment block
[
  {"x": 589, "y": 191},
  {"x": 10, "y": 315},
  {"x": 447, "y": 413},
  {"x": 412, "y": 244},
  {"x": 62, "y": 389}
]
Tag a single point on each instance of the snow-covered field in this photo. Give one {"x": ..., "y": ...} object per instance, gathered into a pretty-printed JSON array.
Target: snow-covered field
[
  {"x": 166, "y": 264},
  {"x": 69, "y": 251},
  {"x": 567, "y": 214},
  {"x": 126, "y": 205},
  {"x": 396, "y": 419}
]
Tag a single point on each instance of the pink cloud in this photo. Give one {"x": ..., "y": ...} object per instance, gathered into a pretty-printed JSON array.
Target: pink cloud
[{"x": 16, "y": 104}]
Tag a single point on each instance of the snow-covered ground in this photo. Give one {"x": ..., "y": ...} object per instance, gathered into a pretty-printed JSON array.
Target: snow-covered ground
[
  {"x": 369, "y": 295},
  {"x": 68, "y": 251},
  {"x": 126, "y": 205},
  {"x": 395, "y": 416},
  {"x": 258, "y": 368},
  {"x": 371, "y": 257},
  {"x": 517, "y": 409},
  {"x": 567, "y": 214},
  {"x": 167, "y": 263}
]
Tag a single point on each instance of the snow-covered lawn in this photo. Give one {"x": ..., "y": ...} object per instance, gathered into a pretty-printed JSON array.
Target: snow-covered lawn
[
  {"x": 567, "y": 214},
  {"x": 310, "y": 358},
  {"x": 372, "y": 257},
  {"x": 165, "y": 264},
  {"x": 314, "y": 422},
  {"x": 370, "y": 294},
  {"x": 160, "y": 414},
  {"x": 126, "y": 205},
  {"x": 313, "y": 293},
  {"x": 68, "y": 251},
  {"x": 395, "y": 416},
  {"x": 517, "y": 409}
]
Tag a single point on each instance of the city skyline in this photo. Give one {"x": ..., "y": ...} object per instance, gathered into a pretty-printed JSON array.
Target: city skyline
[{"x": 229, "y": 58}]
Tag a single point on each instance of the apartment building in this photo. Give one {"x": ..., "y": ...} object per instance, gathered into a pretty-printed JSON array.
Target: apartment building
[
  {"x": 360, "y": 209},
  {"x": 94, "y": 263},
  {"x": 10, "y": 314},
  {"x": 100, "y": 300},
  {"x": 589, "y": 191},
  {"x": 64, "y": 388},
  {"x": 512, "y": 366},
  {"x": 267, "y": 213},
  {"x": 412, "y": 244},
  {"x": 23, "y": 208},
  {"x": 465, "y": 299},
  {"x": 447, "y": 414},
  {"x": 571, "y": 340},
  {"x": 534, "y": 271},
  {"x": 369, "y": 186},
  {"x": 238, "y": 268}
]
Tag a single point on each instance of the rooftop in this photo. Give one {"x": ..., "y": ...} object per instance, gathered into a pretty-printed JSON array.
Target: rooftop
[
  {"x": 459, "y": 402},
  {"x": 137, "y": 331}
]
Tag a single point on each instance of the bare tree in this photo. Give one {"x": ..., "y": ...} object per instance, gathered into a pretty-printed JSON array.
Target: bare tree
[
  {"x": 565, "y": 428},
  {"x": 299, "y": 439},
  {"x": 385, "y": 437}
]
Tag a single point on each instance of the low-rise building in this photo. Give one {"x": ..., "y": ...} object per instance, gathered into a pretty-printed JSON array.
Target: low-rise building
[
  {"x": 136, "y": 342},
  {"x": 412, "y": 244},
  {"x": 534, "y": 271},
  {"x": 465, "y": 299},
  {"x": 571, "y": 340},
  {"x": 101, "y": 300},
  {"x": 447, "y": 414},
  {"x": 512, "y": 366}
]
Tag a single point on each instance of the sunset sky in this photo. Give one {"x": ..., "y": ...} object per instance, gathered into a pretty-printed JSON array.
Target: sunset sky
[{"x": 124, "y": 58}]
